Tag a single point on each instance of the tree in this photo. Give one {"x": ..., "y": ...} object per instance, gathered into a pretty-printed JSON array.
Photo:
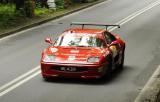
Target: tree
[
  {"x": 29, "y": 6},
  {"x": 25, "y": 6}
]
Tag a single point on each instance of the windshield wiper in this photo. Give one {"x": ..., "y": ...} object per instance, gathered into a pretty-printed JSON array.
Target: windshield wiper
[{"x": 81, "y": 46}]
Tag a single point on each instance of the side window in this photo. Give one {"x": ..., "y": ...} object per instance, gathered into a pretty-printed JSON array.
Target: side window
[
  {"x": 100, "y": 43},
  {"x": 109, "y": 37}
]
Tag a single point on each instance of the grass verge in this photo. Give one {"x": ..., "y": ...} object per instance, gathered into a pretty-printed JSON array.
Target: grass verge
[{"x": 11, "y": 20}]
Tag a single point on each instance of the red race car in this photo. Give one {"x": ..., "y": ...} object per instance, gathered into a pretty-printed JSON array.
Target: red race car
[{"x": 83, "y": 53}]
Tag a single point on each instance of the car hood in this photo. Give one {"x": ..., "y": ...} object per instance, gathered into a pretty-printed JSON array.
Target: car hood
[{"x": 74, "y": 54}]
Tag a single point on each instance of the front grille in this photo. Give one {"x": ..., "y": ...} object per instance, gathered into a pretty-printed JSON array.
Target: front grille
[{"x": 69, "y": 68}]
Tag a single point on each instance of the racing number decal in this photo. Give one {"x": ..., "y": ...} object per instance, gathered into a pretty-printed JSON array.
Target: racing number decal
[{"x": 114, "y": 50}]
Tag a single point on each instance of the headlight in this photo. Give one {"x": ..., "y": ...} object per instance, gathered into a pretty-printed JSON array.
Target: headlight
[
  {"x": 49, "y": 58},
  {"x": 93, "y": 59}
]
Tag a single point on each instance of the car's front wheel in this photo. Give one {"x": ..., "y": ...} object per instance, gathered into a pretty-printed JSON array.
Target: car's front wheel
[
  {"x": 109, "y": 69},
  {"x": 121, "y": 64},
  {"x": 46, "y": 78}
]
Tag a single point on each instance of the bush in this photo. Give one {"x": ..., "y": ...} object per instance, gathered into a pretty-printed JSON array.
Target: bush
[
  {"x": 43, "y": 11},
  {"x": 59, "y": 3},
  {"x": 6, "y": 10},
  {"x": 7, "y": 13}
]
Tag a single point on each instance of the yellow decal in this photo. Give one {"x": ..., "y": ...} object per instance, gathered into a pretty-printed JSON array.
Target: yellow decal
[{"x": 114, "y": 50}]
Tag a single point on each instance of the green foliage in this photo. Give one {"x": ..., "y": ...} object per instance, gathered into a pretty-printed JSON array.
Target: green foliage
[
  {"x": 43, "y": 11},
  {"x": 59, "y": 4},
  {"x": 11, "y": 18},
  {"x": 29, "y": 6},
  {"x": 7, "y": 14}
]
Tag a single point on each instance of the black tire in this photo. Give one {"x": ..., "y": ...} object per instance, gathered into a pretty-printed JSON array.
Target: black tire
[
  {"x": 108, "y": 73},
  {"x": 120, "y": 66},
  {"x": 46, "y": 78}
]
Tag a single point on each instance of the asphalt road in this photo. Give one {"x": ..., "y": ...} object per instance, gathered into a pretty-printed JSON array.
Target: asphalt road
[{"x": 21, "y": 53}]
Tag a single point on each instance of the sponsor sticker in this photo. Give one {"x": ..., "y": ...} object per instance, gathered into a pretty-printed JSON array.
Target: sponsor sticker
[
  {"x": 114, "y": 50},
  {"x": 71, "y": 58},
  {"x": 53, "y": 50},
  {"x": 74, "y": 51}
]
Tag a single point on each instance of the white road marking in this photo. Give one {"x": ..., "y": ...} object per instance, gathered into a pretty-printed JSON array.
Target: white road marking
[
  {"x": 123, "y": 21},
  {"x": 19, "y": 78},
  {"x": 149, "y": 86},
  {"x": 135, "y": 14},
  {"x": 19, "y": 83}
]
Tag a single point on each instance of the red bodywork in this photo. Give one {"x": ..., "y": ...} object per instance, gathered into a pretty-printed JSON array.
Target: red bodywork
[{"x": 71, "y": 61}]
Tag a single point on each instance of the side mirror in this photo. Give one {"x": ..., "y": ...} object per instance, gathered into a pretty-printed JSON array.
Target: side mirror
[
  {"x": 49, "y": 40},
  {"x": 113, "y": 43}
]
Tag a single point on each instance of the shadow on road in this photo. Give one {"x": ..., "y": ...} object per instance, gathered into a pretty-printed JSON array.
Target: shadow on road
[{"x": 101, "y": 81}]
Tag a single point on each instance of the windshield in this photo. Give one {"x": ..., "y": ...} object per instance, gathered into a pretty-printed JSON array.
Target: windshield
[{"x": 80, "y": 40}]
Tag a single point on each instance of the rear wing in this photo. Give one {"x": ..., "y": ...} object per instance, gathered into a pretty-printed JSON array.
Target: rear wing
[{"x": 93, "y": 24}]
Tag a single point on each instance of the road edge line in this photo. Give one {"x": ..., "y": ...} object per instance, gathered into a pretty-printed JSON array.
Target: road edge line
[{"x": 151, "y": 90}]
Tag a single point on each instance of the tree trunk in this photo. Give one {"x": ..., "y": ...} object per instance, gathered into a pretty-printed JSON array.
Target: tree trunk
[
  {"x": 19, "y": 4},
  {"x": 29, "y": 6}
]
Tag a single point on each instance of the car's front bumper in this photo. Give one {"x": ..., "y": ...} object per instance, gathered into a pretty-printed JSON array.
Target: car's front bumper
[{"x": 84, "y": 70}]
